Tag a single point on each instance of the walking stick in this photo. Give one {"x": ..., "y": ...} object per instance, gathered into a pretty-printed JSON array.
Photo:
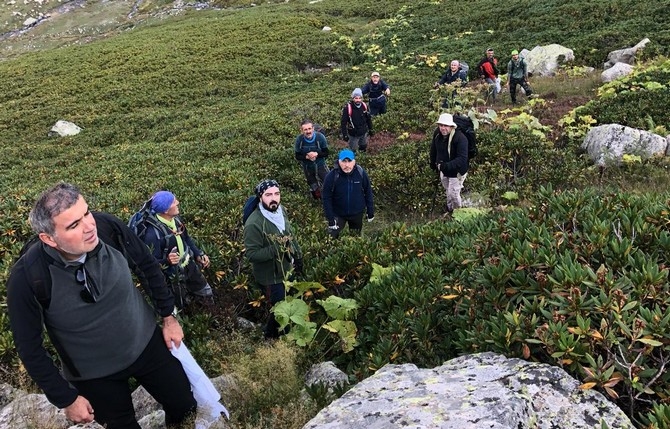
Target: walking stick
[{"x": 437, "y": 186}]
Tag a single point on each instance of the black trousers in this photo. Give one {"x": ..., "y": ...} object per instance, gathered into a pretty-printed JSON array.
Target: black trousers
[
  {"x": 162, "y": 376},
  {"x": 355, "y": 224},
  {"x": 512, "y": 88}
]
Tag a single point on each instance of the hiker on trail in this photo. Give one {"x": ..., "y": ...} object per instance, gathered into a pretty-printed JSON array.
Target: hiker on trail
[
  {"x": 75, "y": 281},
  {"x": 454, "y": 74},
  {"x": 356, "y": 122},
  {"x": 347, "y": 195},
  {"x": 517, "y": 74},
  {"x": 489, "y": 72},
  {"x": 169, "y": 242},
  {"x": 311, "y": 149},
  {"x": 377, "y": 90},
  {"x": 271, "y": 248},
  {"x": 449, "y": 157}
]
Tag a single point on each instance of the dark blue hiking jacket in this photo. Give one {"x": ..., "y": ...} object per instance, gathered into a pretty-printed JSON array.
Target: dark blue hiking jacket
[{"x": 347, "y": 194}]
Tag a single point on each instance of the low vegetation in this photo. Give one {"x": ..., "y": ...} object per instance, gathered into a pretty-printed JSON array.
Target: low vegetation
[{"x": 566, "y": 265}]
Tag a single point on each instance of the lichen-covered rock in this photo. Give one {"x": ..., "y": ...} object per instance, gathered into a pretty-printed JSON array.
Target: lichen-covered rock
[
  {"x": 544, "y": 60},
  {"x": 616, "y": 71},
  {"x": 607, "y": 144},
  {"x": 478, "y": 391}
]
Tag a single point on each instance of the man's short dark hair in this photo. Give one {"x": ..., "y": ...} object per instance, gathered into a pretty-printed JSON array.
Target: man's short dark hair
[
  {"x": 306, "y": 121},
  {"x": 489, "y": 50},
  {"x": 50, "y": 204}
]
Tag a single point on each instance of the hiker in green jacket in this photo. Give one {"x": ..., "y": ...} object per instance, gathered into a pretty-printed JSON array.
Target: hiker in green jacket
[
  {"x": 517, "y": 72},
  {"x": 271, "y": 247}
]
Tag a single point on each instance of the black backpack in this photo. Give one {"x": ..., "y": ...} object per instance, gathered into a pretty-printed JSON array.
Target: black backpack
[
  {"x": 249, "y": 206},
  {"x": 467, "y": 127},
  {"x": 36, "y": 262},
  {"x": 144, "y": 217}
]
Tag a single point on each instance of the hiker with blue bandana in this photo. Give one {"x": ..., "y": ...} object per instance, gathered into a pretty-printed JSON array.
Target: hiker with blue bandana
[{"x": 180, "y": 258}]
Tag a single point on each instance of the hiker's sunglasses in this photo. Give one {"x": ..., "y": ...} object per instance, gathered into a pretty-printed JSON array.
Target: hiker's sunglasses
[{"x": 85, "y": 294}]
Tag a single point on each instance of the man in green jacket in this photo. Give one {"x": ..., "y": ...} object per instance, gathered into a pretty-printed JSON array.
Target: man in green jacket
[
  {"x": 271, "y": 247},
  {"x": 517, "y": 74}
]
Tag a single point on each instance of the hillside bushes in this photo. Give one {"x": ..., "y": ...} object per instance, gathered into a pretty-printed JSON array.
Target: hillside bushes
[{"x": 579, "y": 280}]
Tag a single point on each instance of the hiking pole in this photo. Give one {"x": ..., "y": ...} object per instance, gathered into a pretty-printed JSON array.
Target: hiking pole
[{"x": 437, "y": 186}]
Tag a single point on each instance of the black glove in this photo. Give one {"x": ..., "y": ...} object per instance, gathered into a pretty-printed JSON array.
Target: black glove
[
  {"x": 371, "y": 133},
  {"x": 345, "y": 137},
  {"x": 297, "y": 266}
]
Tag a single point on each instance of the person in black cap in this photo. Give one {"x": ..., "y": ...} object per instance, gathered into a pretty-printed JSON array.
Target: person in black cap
[
  {"x": 347, "y": 195},
  {"x": 271, "y": 248}
]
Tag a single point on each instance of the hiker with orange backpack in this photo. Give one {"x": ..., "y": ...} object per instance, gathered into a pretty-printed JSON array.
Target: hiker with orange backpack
[{"x": 356, "y": 122}]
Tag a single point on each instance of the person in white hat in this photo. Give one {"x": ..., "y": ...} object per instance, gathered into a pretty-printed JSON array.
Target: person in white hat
[
  {"x": 449, "y": 156},
  {"x": 376, "y": 90}
]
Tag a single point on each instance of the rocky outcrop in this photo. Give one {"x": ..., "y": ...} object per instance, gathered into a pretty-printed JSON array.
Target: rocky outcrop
[
  {"x": 21, "y": 410},
  {"x": 626, "y": 55},
  {"x": 607, "y": 144},
  {"x": 544, "y": 60},
  {"x": 478, "y": 391}
]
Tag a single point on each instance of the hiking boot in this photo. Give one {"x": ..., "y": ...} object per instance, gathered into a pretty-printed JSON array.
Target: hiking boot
[{"x": 363, "y": 149}]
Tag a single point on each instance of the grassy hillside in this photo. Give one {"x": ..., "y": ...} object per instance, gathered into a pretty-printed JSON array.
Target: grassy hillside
[{"x": 207, "y": 103}]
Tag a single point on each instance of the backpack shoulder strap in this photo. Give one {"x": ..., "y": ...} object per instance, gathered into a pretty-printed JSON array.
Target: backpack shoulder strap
[{"x": 36, "y": 268}]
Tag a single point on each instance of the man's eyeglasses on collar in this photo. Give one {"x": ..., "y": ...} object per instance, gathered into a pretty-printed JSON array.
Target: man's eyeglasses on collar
[{"x": 86, "y": 293}]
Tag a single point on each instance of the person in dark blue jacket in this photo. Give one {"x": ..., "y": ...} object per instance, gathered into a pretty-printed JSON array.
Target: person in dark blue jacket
[
  {"x": 454, "y": 75},
  {"x": 347, "y": 195},
  {"x": 377, "y": 90}
]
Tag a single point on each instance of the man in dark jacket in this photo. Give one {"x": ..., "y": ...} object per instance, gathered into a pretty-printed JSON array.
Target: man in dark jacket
[
  {"x": 271, "y": 247},
  {"x": 347, "y": 195},
  {"x": 377, "y": 90},
  {"x": 449, "y": 156},
  {"x": 311, "y": 149},
  {"x": 454, "y": 75},
  {"x": 174, "y": 249},
  {"x": 356, "y": 122},
  {"x": 100, "y": 324}
]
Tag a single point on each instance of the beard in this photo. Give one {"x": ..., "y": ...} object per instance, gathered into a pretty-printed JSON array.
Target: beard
[{"x": 272, "y": 207}]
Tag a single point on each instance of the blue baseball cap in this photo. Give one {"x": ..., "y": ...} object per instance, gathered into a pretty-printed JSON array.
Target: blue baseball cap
[{"x": 347, "y": 154}]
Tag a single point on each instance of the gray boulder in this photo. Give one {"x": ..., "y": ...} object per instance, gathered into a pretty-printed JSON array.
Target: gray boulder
[
  {"x": 31, "y": 411},
  {"x": 327, "y": 374},
  {"x": 478, "y": 391},
  {"x": 607, "y": 144},
  {"x": 64, "y": 128},
  {"x": 544, "y": 60},
  {"x": 626, "y": 55},
  {"x": 615, "y": 72}
]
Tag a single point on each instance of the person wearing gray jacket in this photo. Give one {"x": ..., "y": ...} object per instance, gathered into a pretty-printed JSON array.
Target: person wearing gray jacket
[{"x": 101, "y": 325}]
